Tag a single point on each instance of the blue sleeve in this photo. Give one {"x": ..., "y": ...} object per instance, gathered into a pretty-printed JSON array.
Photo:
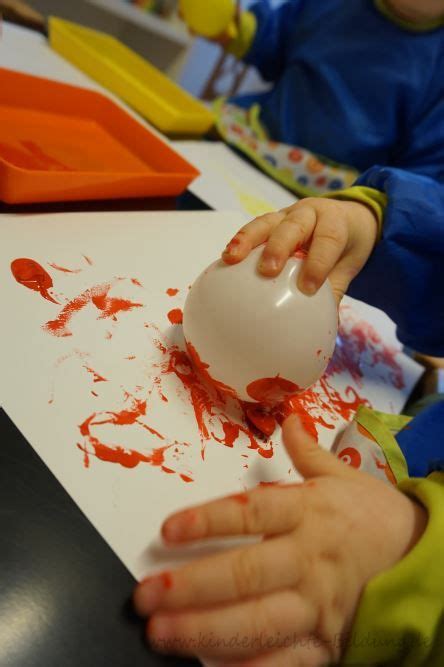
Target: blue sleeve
[
  {"x": 422, "y": 146},
  {"x": 422, "y": 443},
  {"x": 405, "y": 273},
  {"x": 269, "y": 50}
]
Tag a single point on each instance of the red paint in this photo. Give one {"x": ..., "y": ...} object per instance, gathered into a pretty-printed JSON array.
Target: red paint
[
  {"x": 270, "y": 391},
  {"x": 318, "y": 352},
  {"x": 96, "y": 376},
  {"x": 172, "y": 291},
  {"x": 30, "y": 274},
  {"x": 351, "y": 457},
  {"x": 175, "y": 316},
  {"x": 98, "y": 296},
  {"x": 136, "y": 282},
  {"x": 62, "y": 268},
  {"x": 241, "y": 498},
  {"x": 167, "y": 580},
  {"x": 94, "y": 393},
  {"x": 202, "y": 369},
  {"x": 264, "y": 421},
  {"x": 88, "y": 260},
  {"x": 359, "y": 344}
]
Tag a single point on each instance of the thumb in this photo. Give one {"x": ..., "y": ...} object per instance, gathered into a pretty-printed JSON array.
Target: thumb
[{"x": 307, "y": 456}]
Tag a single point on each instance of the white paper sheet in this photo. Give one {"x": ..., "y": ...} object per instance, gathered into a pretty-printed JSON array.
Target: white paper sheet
[
  {"x": 227, "y": 182},
  {"x": 78, "y": 396}
]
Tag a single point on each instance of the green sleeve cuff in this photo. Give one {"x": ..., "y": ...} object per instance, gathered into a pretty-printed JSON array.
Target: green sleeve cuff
[
  {"x": 374, "y": 199},
  {"x": 400, "y": 620},
  {"x": 243, "y": 40},
  {"x": 413, "y": 26}
]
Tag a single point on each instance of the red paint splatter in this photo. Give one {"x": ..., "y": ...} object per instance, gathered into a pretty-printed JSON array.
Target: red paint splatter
[
  {"x": 136, "y": 282},
  {"x": 358, "y": 345},
  {"x": 241, "y": 498},
  {"x": 265, "y": 422},
  {"x": 172, "y": 291},
  {"x": 62, "y": 268},
  {"x": 175, "y": 316},
  {"x": 96, "y": 376},
  {"x": 167, "y": 580},
  {"x": 30, "y": 274},
  {"x": 186, "y": 478},
  {"x": 271, "y": 391},
  {"x": 94, "y": 393},
  {"x": 98, "y": 296},
  {"x": 202, "y": 369}
]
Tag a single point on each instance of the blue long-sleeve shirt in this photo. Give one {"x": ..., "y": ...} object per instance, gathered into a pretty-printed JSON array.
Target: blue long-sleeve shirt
[
  {"x": 353, "y": 86},
  {"x": 350, "y": 84}
]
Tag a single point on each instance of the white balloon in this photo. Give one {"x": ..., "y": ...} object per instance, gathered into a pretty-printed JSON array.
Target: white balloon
[{"x": 261, "y": 337}]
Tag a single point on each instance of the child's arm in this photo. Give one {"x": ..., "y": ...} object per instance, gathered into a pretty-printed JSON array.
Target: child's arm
[
  {"x": 403, "y": 274},
  {"x": 291, "y": 598}
]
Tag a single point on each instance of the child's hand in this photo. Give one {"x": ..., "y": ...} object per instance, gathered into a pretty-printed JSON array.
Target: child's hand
[
  {"x": 340, "y": 236},
  {"x": 290, "y": 599}
]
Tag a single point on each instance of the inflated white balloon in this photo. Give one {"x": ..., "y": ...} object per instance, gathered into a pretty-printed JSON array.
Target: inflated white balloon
[{"x": 259, "y": 337}]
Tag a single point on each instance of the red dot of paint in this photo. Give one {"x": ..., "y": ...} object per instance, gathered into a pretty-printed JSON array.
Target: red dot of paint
[{"x": 175, "y": 316}]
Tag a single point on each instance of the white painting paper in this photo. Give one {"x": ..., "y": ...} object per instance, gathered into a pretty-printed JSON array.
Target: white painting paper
[
  {"x": 95, "y": 376},
  {"x": 228, "y": 182}
]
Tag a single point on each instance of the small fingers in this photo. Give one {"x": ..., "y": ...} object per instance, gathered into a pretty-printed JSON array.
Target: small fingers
[
  {"x": 238, "y": 631},
  {"x": 251, "y": 235},
  {"x": 264, "y": 510},
  {"x": 329, "y": 241},
  {"x": 294, "y": 229},
  {"x": 226, "y": 577}
]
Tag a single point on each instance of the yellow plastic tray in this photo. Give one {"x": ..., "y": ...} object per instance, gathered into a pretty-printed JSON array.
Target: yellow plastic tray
[{"x": 140, "y": 84}]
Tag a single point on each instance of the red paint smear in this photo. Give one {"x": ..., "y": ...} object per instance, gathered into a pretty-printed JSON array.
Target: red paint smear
[
  {"x": 175, "y": 316},
  {"x": 186, "y": 478},
  {"x": 207, "y": 401},
  {"x": 136, "y": 282},
  {"x": 63, "y": 269},
  {"x": 359, "y": 343},
  {"x": 128, "y": 458},
  {"x": 270, "y": 391},
  {"x": 30, "y": 274},
  {"x": 98, "y": 295},
  {"x": 88, "y": 260},
  {"x": 241, "y": 498},
  {"x": 263, "y": 421},
  {"x": 202, "y": 369},
  {"x": 167, "y": 580},
  {"x": 172, "y": 291},
  {"x": 96, "y": 376},
  {"x": 94, "y": 393}
]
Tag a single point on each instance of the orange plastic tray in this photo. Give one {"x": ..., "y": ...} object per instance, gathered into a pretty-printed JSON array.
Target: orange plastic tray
[{"x": 63, "y": 143}]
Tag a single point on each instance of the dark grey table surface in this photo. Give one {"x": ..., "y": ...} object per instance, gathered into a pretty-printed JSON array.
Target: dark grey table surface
[{"x": 64, "y": 594}]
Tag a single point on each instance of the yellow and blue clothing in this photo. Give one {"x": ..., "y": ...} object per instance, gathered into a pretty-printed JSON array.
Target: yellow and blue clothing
[
  {"x": 350, "y": 84},
  {"x": 354, "y": 85}
]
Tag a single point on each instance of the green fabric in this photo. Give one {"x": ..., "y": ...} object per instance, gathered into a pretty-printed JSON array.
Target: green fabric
[
  {"x": 241, "y": 44},
  {"x": 400, "y": 620},
  {"x": 382, "y": 426},
  {"x": 413, "y": 26},
  {"x": 374, "y": 199}
]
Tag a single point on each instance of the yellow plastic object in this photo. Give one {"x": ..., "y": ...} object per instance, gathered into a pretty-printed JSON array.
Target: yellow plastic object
[
  {"x": 209, "y": 19},
  {"x": 123, "y": 72}
]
